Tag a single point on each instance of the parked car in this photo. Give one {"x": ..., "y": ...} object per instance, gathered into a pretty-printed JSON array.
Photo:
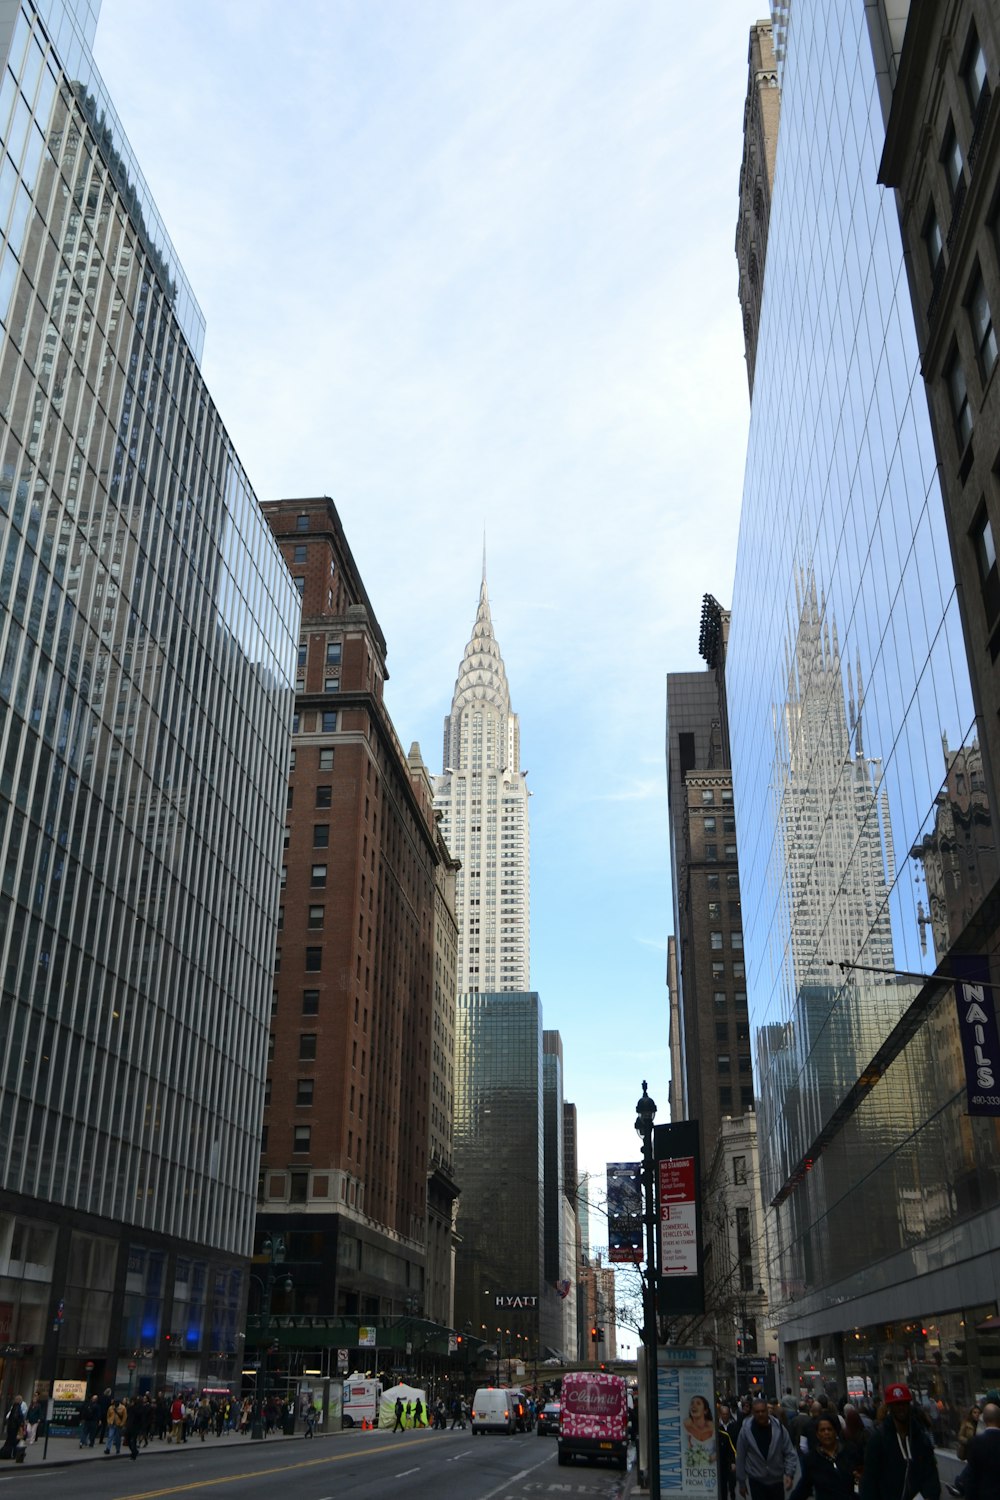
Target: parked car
[{"x": 548, "y": 1419}]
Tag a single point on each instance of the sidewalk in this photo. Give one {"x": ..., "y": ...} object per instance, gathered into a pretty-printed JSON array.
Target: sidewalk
[{"x": 64, "y": 1452}]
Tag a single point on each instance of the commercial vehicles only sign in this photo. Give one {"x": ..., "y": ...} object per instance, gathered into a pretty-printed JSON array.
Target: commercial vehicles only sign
[
  {"x": 680, "y": 1272},
  {"x": 678, "y": 1217}
]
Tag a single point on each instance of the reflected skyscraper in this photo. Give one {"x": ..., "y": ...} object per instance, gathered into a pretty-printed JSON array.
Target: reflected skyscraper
[{"x": 846, "y": 671}]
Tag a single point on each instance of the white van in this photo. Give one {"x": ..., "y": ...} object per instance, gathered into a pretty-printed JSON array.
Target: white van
[{"x": 493, "y": 1410}]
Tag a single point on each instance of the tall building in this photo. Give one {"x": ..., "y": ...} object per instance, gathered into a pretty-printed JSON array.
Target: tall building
[
  {"x": 760, "y": 144},
  {"x": 846, "y": 673},
  {"x": 710, "y": 1033},
  {"x": 482, "y": 797},
  {"x": 357, "y": 1131},
  {"x": 147, "y": 649}
]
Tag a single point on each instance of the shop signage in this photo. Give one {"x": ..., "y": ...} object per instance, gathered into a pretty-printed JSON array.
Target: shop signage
[{"x": 977, "y": 1024}]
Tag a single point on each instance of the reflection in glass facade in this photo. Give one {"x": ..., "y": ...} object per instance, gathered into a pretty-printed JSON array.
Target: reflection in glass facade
[
  {"x": 852, "y": 731},
  {"x": 147, "y": 658}
]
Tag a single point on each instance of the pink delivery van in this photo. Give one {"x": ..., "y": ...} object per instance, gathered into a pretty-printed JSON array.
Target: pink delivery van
[{"x": 593, "y": 1421}]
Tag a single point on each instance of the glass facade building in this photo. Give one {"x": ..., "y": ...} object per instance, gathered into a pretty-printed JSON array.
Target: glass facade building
[
  {"x": 865, "y": 836},
  {"x": 500, "y": 1167},
  {"x": 148, "y": 634}
]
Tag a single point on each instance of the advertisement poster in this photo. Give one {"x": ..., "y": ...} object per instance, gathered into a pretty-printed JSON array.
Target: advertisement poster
[{"x": 687, "y": 1423}]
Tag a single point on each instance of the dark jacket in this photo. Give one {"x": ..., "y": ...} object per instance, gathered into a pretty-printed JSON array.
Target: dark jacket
[
  {"x": 728, "y": 1433},
  {"x": 887, "y": 1474},
  {"x": 827, "y": 1478},
  {"x": 982, "y": 1465}
]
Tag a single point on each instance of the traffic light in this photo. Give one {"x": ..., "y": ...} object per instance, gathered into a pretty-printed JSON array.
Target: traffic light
[
  {"x": 600, "y": 1335},
  {"x": 593, "y": 1335},
  {"x": 739, "y": 1346},
  {"x": 458, "y": 1339}
]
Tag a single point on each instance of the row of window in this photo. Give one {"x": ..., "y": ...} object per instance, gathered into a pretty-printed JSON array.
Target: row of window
[
  {"x": 708, "y": 796},
  {"x": 324, "y": 795},
  {"x": 325, "y": 761},
  {"x": 735, "y": 941},
  {"x": 325, "y": 721},
  {"x": 726, "y": 1099},
  {"x": 317, "y": 876}
]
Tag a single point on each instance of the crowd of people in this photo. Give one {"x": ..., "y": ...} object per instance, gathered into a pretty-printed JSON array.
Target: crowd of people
[{"x": 770, "y": 1450}]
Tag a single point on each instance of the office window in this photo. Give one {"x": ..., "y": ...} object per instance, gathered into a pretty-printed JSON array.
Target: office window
[
  {"x": 974, "y": 70},
  {"x": 301, "y": 523},
  {"x": 281, "y": 918},
  {"x": 709, "y": 825},
  {"x": 291, "y": 760},
  {"x": 953, "y": 163},
  {"x": 746, "y": 1098},
  {"x": 744, "y": 1064},
  {"x": 277, "y": 960},
  {"x": 719, "y": 998},
  {"x": 326, "y": 759},
  {"x": 301, "y": 1136},
  {"x": 933, "y": 239},
  {"x": 270, "y": 1047},
  {"x": 958, "y": 394},
  {"x": 715, "y": 939},
  {"x": 741, "y": 996},
  {"x": 714, "y": 911},
  {"x": 316, "y": 914},
  {"x": 300, "y": 552},
  {"x": 263, "y": 1137},
  {"x": 727, "y": 795},
  {"x": 318, "y": 876},
  {"x": 284, "y": 876},
  {"x": 303, "y": 652},
  {"x": 722, "y": 1062},
  {"x": 310, "y": 1002},
  {"x": 739, "y": 1169},
  {"x": 304, "y": 1090},
  {"x": 729, "y": 825},
  {"x": 707, "y": 795},
  {"x": 730, "y": 851},
  {"x": 307, "y": 1046},
  {"x": 732, "y": 880},
  {"x": 329, "y": 718},
  {"x": 722, "y": 1031},
  {"x": 736, "y": 941},
  {"x": 711, "y": 852},
  {"x": 983, "y": 332},
  {"x": 718, "y": 969},
  {"x": 300, "y": 585},
  {"x": 986, "y": 559},
  {"x": 332, "y": 685},
  {"x": 267, "y": 1091},
  {"x": 712, "y": 880},
  {"x": 296, "y": 721},
  {"x": 314, "y": 960},
  {"x": 324, "y": 796},
  {"x": 726, "y": 1100},
  {"x": 321, "y": 835},
  {"x": 333, "y": 653},
  {"x": 742, "y": 1031}
]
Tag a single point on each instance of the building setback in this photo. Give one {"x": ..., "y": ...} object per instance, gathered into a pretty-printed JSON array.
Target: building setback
[
  {"x": 147, "y": 635},
  {"x": 361, "y": 1059}
]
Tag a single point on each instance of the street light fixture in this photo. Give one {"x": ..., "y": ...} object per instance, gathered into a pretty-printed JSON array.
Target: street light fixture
[{"x": 645, "y": 1114}]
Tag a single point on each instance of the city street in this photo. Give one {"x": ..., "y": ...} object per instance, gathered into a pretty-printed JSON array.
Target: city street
[{"x": 359, "y": 1465}]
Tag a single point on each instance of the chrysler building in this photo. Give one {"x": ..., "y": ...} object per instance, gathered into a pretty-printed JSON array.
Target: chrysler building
[{"x": 482, "y": 797}]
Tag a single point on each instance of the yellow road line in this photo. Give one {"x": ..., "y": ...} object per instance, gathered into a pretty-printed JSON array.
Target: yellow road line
[{"x": 307, "y": 1463}]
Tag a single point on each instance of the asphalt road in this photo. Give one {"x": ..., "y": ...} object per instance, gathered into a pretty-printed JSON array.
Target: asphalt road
[{"x": 352, "y": 1466}]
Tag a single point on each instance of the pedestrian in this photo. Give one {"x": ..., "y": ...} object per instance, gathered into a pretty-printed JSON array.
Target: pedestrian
[
  {"x": 968, "y": 1429},
  {"x": 456, "y": 1411},
  {"x": 828, "y": 1468},
  {"x": 310, "y": 1420},
  {"x": 33, "y": 1418},
  {"x": 13, "y": 1428},
  {"x": 729, "y": 1431},
  {"x": 115, "y": 1419},
  {"x": 418, "y": 1413},
  {"x": 132, "y": 1426},
  {"x": 982, "y": 1458},
  {"x": 899, "y": 1455},
  {"x": 765, "y": 1456},
  {"x": 177, "y": 1415},
  {"x": 398, "y": 1427}
]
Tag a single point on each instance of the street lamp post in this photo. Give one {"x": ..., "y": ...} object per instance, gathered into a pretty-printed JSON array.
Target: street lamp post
[
  {"x": 645, "y": 1114},
  {"x": 274, "y": 1248}
]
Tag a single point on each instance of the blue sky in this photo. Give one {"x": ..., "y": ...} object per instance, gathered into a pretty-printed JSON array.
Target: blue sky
[{"x": 465, "y": 263}]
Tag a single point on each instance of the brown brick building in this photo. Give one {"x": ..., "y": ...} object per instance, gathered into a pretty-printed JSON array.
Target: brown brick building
[
  {"x": 760, "y": 146},
  {"x": 356, "y": 1151}
]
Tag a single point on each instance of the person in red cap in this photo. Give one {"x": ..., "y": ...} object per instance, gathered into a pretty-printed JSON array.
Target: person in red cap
[{"x": 899, "y": 1456}]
